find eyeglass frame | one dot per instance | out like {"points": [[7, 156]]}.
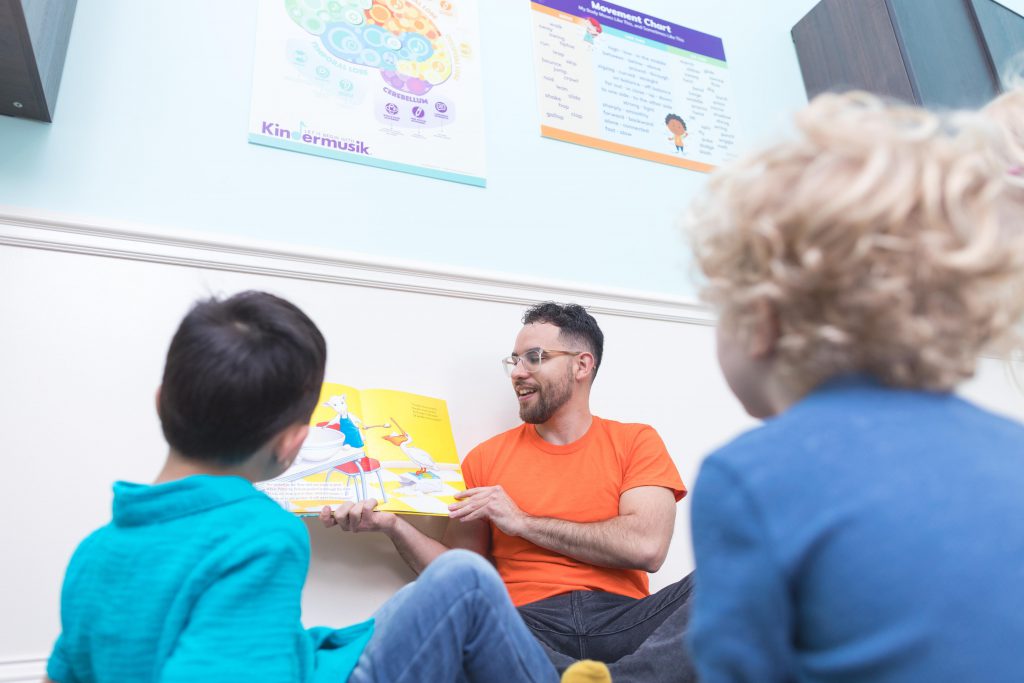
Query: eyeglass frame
{"points": [[510, 362]]}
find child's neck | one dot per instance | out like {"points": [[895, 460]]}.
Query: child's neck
{"points": [[178, 466]]}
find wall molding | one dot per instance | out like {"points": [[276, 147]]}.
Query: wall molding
{"points": [[31, 229], [22, 670]]}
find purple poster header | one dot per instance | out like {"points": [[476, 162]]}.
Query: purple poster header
{"points": [[640, 24]]}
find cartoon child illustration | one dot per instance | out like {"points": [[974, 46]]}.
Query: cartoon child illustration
{"points": [[677, 127], [593, 31]]}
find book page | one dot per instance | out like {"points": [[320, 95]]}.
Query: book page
{"points": [[392, 446], [415, 449], [335, 442]]}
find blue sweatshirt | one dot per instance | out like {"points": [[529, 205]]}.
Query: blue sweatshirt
{"points": [[866, 534]]}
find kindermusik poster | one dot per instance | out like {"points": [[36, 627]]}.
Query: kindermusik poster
{"points": [[394, 84]]}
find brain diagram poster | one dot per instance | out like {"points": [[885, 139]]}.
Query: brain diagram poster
{"points": [[394, 84]]}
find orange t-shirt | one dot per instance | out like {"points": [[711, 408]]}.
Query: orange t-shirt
{"points": [[578, 482]]}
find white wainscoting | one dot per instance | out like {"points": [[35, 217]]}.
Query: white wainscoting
{"points": [[87, 310]]}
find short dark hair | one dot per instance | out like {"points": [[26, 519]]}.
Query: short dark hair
{"points": [[238, 372], [675, 117], [574, 323]]}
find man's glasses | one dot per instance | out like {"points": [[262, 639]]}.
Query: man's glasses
{"points": [[532, 359]]}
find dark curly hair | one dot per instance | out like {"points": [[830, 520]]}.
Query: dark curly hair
{"points": [[575, 324]]}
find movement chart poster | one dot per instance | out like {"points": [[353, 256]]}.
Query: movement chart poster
{"points": [[389, 83], [623, 81]]}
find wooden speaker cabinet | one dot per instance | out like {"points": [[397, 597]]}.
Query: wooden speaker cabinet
{"points": [[33, 42], [936, 53]]}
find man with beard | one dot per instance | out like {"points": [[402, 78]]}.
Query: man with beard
{"points": [[572, 509]]}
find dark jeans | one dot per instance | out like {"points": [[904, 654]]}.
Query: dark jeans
{"points": [[640, 640]]}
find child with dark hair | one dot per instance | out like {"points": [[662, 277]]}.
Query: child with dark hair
{"points": [[677, 127], [199, 576]]}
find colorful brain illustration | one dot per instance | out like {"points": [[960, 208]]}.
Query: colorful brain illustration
{"points": [[394, 36]]}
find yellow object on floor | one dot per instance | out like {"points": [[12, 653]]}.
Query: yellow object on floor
{"points": [[587, 671]]}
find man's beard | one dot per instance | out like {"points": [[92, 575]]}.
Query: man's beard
{"points": [[548, 399]]}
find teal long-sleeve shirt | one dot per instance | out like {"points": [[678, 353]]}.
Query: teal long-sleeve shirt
{"points": [[195, 579]]}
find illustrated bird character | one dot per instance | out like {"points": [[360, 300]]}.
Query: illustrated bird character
{"points": [[419, 456]]}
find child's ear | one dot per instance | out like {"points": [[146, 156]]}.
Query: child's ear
{"points": [[289, 442], [764, 333], [158, 390]]}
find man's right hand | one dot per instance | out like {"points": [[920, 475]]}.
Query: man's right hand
{"points": [[357, 517]]}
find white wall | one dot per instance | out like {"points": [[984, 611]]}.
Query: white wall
{"points": [[82, 355], [87, 316]]}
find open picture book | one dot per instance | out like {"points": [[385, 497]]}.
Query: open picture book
{"points": [[376, 443]]}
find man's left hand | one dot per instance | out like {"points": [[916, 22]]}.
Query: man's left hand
{"points": [[490, 503]]}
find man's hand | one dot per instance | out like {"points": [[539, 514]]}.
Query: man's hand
{"points": [[490, 503], [357, 517]]}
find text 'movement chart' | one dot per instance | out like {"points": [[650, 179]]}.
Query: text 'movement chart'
{"points": [[622, 81]]}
